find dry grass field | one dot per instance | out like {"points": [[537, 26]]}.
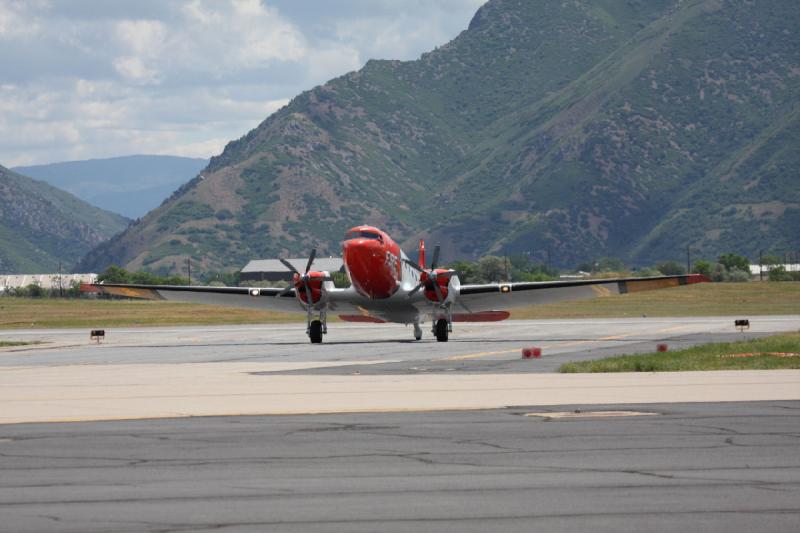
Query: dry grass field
{"points": [[704, 299], [708, 299]]}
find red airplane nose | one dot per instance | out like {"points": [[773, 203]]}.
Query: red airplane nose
{"points": [[371, 269]]}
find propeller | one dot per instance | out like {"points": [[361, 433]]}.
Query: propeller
{"points": [[429, 275], [303, 279]]}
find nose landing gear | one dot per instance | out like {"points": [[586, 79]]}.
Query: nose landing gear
{"points": [[442, 329]]}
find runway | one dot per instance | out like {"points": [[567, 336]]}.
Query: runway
{"points": [[165, 373], [721, 467], [420, 436]]}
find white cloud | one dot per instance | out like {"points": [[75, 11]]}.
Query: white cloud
{"points": [[98, 79], [18, 19], [134, 69], [143, 37]]}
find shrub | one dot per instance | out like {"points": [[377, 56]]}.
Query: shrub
{"points": [[734, 261], [702, 267], [739, 276], [671, 268], [779, 273]]}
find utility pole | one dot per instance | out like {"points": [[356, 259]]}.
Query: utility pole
{"points": [[761, 265], [60, 284], [189, 268], [688, 260]]}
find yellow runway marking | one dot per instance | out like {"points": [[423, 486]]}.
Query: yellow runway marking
{"points": [[479, 355]]}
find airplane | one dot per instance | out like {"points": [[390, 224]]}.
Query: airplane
{"points": [[387, 286]]}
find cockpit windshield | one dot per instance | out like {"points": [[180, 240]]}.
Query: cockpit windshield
{"points": [[358, 234]]}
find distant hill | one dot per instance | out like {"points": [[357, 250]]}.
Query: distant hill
{"points": [[129, 185], [41, 226], [586, 128]]}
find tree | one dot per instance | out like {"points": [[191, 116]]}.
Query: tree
{"points": [[771, 260], [670, 268], [467, 272], [734, 261], [702, 267], [610, 264], [115, 274], [493, 268]]}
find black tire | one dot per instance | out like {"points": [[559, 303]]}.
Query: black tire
{"points": [[441, 330], [315, 332]]}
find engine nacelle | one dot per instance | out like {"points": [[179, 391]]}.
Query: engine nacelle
{"points": [[442, 279], [314, 280]]}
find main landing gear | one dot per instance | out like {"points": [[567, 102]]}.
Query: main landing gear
{"points": [[441, 329], [316, 327], [417, 331]]}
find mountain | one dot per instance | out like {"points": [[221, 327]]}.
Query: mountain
{"points": [[130, 185], [585, 128], [41, 226]]}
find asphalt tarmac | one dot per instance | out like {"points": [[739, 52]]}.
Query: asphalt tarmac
{"points": [[721, 467], [473, 348]]}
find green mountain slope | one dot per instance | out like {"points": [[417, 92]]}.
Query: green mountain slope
{"points": [[603, 127], [41, 226]]}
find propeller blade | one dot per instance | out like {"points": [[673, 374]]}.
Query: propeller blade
{"points": [[309, 301], [285, 291], [288, 265], [413, 265], [438, 292], [415, 290], [435, 257], [311, 259]]}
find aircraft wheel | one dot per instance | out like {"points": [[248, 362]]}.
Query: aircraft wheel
{"points": [[315, 332], [441, 330]]}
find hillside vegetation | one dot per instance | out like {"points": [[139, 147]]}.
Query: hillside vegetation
{"points": [[587, 128], [41, 226]]}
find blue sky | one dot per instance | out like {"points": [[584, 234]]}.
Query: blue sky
{"points": [[99, 78]]}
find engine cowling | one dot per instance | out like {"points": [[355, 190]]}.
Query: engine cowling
{"points": [[441, 278], [314, 281]]}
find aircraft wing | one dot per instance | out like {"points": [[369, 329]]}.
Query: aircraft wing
{"points": [[264, 299], [497, 296]]}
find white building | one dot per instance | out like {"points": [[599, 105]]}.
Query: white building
{"points": [[45, 281], [756, 270]]}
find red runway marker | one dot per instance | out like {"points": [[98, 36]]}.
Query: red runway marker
{"points": [[533, 352]]}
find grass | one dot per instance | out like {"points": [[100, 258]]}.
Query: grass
{"points": [[707, 299], [758, 354], [704, 299], [6, 344], [24, 313]]}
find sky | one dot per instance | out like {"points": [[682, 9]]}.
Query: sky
{"points": [[83, 79]]}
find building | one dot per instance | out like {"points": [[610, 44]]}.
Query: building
{"points": [[756, 270], [274, 270], [45, 281]]}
